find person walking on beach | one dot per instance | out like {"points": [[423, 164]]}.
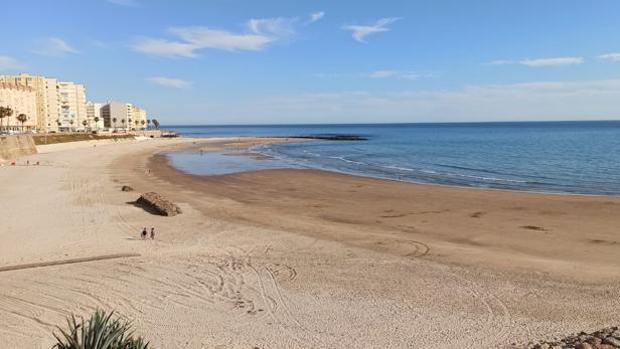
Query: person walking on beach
{"points": [[144, 233], [152, 233]]}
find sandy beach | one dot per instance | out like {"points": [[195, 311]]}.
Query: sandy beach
{"points": [[296, 258]]}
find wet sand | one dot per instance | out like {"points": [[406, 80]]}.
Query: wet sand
{"points": [[299, 258]]}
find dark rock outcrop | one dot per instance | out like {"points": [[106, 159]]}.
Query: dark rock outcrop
{"points": [[606, 338], [326, 137], [157, 204]]}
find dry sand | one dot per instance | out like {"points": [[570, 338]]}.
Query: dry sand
{"points": [[296, 259]]}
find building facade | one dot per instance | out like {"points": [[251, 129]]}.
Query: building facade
{"points": [[21, 100], [123, 116], [53, 105], [72, 101], [139, 118], [62, 106], [115, 115], [93, 114], [46, 94]]}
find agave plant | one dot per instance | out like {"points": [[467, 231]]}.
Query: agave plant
{"points": [[101, 331]]}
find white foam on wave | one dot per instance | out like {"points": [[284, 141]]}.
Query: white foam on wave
{"points": [[491, 179], [400, 168], [342, 158]]}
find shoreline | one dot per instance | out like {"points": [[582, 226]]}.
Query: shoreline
{"points": [[271, 140], [163, 169], [296, 258]]}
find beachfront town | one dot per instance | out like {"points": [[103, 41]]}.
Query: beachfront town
{"points": [[40, 104]]}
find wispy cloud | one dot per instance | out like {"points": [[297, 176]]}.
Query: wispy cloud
{"points": [[614, 57], [552, 62], [360, 32], [169, 82], [527, 101], [542, 62], [258, 34], [55, 47], [316, 16], [128, 3], [377, 74], [99, 44], [9, 63], [502, 62], [395, 74], [165, 48], [276, 28]]}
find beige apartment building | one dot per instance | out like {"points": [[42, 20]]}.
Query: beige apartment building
{"points": [[59, 105], [139, 118], [46, 94], [22, 100], [72, 101]]}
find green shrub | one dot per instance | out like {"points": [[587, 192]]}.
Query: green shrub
{"points": [[101, 331]]}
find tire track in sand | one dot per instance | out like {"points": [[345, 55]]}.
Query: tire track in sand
{"points": [[67, 261]]}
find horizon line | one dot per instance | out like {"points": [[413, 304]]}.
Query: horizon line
{"points": [[398, 123]]}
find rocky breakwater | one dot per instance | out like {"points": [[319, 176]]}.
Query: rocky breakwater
{"points": [[607, 338], [157, 204], [325, 137]]}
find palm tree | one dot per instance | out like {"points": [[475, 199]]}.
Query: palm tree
{"points": [[96, 119], [143, 122], [84, 123], [156, 123], [22, 118], [9, 114], [71, 122], [148, 122], [5, 112]]}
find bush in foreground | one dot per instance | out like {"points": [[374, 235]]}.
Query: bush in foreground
{"points": [[101, 331]]}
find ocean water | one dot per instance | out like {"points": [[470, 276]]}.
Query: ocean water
{"points": [[562, 157]]}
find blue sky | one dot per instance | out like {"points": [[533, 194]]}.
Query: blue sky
{"points": [[247, 62]]}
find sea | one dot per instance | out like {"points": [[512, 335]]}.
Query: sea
{"points": [[558, 157]]}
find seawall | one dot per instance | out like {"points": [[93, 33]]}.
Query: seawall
{"points": [[13, 147]]}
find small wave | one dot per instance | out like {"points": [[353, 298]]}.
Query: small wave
{"points": [[342, 158], [407, 169], [491, 179], [400, 168], [312, 154]]}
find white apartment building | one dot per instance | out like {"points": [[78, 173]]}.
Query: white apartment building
{"points": [[21, 100], [72, 99], [115, 115], [93, 114]]}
